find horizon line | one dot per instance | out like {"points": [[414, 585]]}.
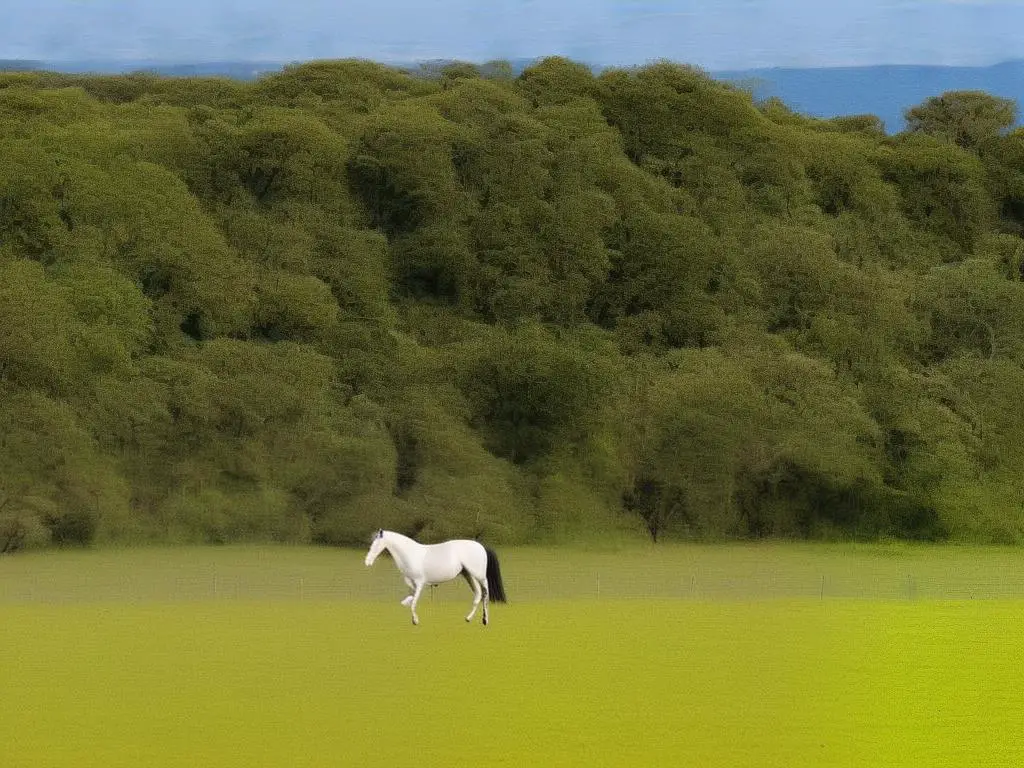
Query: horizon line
{"points": [[399, 62]]}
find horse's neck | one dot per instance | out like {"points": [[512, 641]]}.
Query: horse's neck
{"points": [[403, 549]]}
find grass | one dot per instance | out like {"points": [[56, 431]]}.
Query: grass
{"points": [[703, 656]]}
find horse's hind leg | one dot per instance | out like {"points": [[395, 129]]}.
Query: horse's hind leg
{"points": [[476, 594], [487, 600]]}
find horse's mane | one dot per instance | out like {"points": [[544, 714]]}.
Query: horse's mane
{"points": [[401, 537]]}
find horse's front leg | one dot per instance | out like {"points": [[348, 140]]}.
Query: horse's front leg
{"points": [[476, 597], [408, 598], [415, 599]]}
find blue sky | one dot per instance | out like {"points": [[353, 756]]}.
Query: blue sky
{"points": [[715, 34]]}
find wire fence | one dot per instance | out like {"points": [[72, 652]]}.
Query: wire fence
{"points": [[686, 573]]}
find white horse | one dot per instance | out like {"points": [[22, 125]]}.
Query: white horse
{"points": [[423, 564]]}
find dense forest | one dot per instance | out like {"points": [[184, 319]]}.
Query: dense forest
{"points": [[462, 302]]}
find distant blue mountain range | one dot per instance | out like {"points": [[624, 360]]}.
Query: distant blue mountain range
{"points": [[884, 90], [238, 70]]}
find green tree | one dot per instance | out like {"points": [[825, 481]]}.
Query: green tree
{"points": [[942, 188], [556, 80], [55, 485], [530, 395], [664, 272], [968, 119], [37, 347], [402, 169], [970, 307]]}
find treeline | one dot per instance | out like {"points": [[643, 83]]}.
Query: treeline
{"points": [[535, 307]]}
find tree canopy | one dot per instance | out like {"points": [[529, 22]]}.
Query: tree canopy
{"points": [[459, 302]]}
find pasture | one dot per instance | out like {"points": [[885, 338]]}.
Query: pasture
{"points": [[733, 655]]}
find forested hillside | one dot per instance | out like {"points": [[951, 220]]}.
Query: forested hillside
{"points": [[527, 308]]}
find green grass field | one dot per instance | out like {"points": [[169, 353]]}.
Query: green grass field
{"points": [[776, 655]]}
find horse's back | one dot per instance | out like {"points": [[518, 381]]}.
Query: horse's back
{"points": [[454, 555]]}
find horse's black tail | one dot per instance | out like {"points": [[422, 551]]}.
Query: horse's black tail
{"points": [[495, 589]]}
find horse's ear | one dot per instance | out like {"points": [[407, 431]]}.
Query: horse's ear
{"points": [[380, 533]]}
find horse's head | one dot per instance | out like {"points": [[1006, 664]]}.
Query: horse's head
{"points": [[376, 547]]}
